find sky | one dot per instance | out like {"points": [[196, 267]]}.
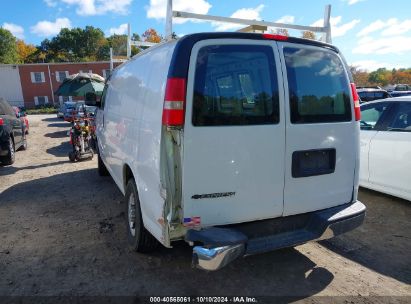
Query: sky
{"points": [[370, 33]]}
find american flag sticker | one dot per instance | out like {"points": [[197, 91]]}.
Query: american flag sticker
{"points": [[192, 221]]}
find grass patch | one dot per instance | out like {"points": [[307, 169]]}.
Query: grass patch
{"points": [[42, 110]]}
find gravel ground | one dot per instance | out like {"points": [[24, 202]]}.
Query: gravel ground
{"points": [[62, 234]]}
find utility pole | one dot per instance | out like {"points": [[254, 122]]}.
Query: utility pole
{"points": [[128, 41], [111, 60]]}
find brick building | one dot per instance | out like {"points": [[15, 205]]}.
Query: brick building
{"points": [[34, 84]]}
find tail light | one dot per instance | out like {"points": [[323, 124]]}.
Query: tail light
{"points": [[1, 121], [356, 98], [174, 102], [275, 37]]}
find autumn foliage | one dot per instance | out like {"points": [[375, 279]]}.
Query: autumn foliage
{"points": [[151, 35], [25, 51], [308, 35], [381, 77]]}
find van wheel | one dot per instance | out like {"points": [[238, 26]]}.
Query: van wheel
{"points": [[11, 154], [101, 167], [139, 239]]}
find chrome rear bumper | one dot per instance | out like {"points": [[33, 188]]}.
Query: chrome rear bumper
{"points": [[222, 245]]}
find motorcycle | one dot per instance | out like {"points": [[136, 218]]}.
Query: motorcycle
{"points": [[82, 139]]}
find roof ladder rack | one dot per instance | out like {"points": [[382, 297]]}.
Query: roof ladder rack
{"points": [[326, 29], [252, 24]]}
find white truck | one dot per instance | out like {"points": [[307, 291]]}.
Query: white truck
{"points": [[239, 143]]}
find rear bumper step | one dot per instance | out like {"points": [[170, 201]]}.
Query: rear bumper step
{"points": [[223, 245]]}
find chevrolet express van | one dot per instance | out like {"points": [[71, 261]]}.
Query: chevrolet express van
{"points": [[238, 143]]}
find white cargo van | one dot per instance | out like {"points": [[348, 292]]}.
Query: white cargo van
{"points": [[238, 143]]}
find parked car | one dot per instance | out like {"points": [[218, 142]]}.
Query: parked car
{"points": [[70, 109], [12, 133], [81, 109], [400, 90], [402, 87], [369, 94], [61, 111], [400, 93], [211, 148], [385, 143], [23, 117]]}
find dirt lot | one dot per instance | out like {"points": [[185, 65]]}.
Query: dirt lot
{"points": [[62, 233]]}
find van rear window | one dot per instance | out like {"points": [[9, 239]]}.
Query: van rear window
{"points": [[318, 86], [235, 85]]}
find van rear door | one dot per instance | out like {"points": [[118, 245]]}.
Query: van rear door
{"points": [[234, 132], [321, 132]]}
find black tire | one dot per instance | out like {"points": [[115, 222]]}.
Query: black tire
{"points": [[91, 154], [139, 239], [24, 146], [101, 167], [93, 145], [11, 154], [72, 156]]}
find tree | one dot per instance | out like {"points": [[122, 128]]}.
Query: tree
{"points": [[282, 31], [103, 53], [75, 44], [308, 35], [378, 77], [42, 53], [402, 76], [151, 35], [8, 47], [135, 37], [93, 39], [119, 44], [25, 51], [360, 77]]}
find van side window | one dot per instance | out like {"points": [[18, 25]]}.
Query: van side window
{"points": [[318, 86], [371, 115], [402, 118], [235, 85]]}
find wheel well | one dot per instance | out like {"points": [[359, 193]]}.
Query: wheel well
{"points": [[127, 174]]}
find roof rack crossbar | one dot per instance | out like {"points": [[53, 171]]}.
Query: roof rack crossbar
{"points": [[248, 22], [142, 43]]}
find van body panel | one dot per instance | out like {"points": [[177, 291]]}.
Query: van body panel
{"points": [[310, 193], [132, 119], [148, 169], [233, 173]]}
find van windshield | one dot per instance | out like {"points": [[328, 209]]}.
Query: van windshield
{"points": [[235, 85], [318, 86]]}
